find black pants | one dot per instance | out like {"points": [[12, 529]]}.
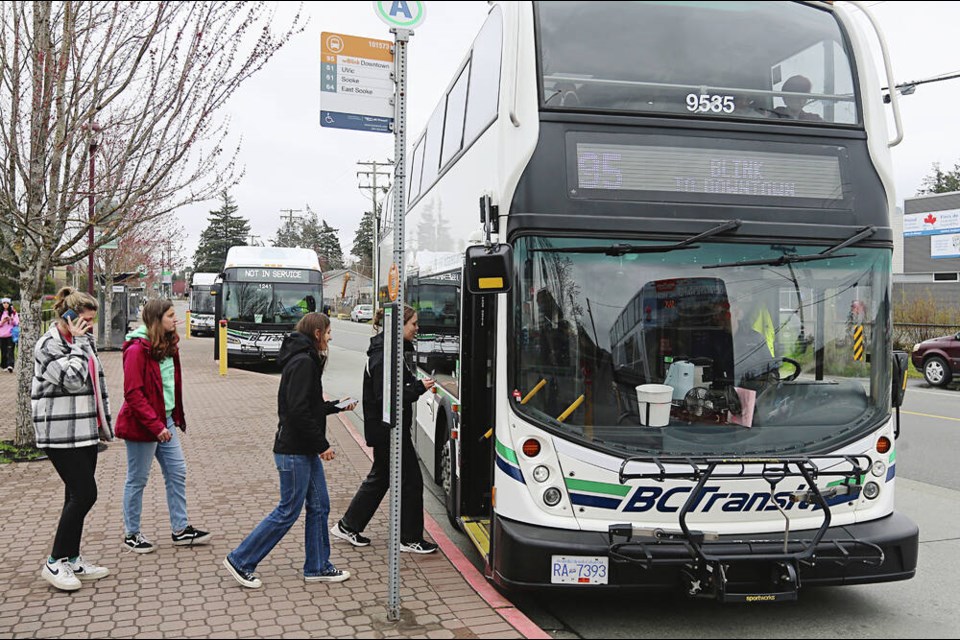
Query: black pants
{"points": [[76, 468], [376, 485], [6, 352]]}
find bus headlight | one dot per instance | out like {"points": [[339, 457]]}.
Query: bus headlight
{"points": [[541, 473], [878, 469], [551, 497], [870, 490]]}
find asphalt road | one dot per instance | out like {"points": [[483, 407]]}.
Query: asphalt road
{"points": [[928, 490]]}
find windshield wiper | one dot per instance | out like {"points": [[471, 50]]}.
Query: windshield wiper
{"points": [[620, 249], [829, 252]]}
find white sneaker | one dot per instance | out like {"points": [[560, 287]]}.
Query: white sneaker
{"points": [[60, 575], [85, 571]]}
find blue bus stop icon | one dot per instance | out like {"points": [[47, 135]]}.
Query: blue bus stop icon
{"points": [[401, 14]]}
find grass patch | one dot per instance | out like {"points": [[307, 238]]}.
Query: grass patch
{"points": [[9, 452], [913, 373]]}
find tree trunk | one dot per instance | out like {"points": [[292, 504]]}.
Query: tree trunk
{"points": [[31, 328]]}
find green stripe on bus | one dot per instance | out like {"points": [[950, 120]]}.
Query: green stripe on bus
{"points": [[597, 487], [507, 453], [893, 457]]}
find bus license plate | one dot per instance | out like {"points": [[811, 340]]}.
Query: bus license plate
{"points": [[579, 570]]}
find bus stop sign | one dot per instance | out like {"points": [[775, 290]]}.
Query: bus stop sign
{"points": [[402, 15]]}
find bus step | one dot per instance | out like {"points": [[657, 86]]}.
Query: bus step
{"points": [[478, 530]]}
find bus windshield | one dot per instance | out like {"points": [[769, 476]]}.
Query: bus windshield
{"points": [[788, 356], [777, 61], [269, 303], [200, 299]]}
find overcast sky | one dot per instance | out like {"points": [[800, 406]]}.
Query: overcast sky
{"points": [[291, 161]]}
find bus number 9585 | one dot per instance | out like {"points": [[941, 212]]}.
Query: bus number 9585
{"points": [[705, 103]]}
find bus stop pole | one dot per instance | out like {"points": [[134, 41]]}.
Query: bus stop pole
{"points": [[188, 324], [401, 38]]}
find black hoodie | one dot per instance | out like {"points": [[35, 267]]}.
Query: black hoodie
{"points": [[302, 429], [374, 429]]}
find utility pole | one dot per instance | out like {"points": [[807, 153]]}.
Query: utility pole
{"points": [[371, 174], [164, 267], [290, 217], [252, 240]]}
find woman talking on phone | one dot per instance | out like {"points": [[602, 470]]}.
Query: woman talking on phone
{"points": [[71, 415]]}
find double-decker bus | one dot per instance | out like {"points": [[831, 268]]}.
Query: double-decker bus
{"points": [[694, 196], [264, 293], [202, 307]]}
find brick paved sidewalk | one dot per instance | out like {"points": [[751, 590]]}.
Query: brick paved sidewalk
{"points": [[231, 485]]}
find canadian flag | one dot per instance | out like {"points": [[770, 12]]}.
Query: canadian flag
{"points": [[930, 219]]}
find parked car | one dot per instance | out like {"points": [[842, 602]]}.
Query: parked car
{"points": [[938, 359], [362, 313]]}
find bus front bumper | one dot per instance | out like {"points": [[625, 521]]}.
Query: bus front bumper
{"points": [[523, 555]]}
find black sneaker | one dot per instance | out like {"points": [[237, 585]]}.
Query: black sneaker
{"points": [[352, 537], [333, 575], [420, 546], [138, 544], [247, 580], [189, 537]]}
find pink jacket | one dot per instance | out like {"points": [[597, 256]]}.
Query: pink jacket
{"points": [[6, 328]]}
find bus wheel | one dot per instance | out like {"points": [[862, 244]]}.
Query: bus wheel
{"points": [[447, 478]]}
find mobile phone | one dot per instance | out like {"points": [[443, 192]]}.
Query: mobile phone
{"points": [[346, 402], [69, 315]]}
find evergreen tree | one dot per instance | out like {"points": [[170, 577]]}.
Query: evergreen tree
{"points": [[363, 243], [289, 234], [941, 181], [225, 230], [327, 246]]}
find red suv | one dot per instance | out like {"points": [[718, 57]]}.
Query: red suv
{"points": [[938, 358]]}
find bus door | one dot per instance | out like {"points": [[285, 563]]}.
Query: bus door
{"points": [[486, 274], [471, 490]]}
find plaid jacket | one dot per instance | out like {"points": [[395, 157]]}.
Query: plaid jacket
{"points": [[62, 397]]}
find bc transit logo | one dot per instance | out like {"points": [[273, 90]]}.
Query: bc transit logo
{"points": [[711, 498]]}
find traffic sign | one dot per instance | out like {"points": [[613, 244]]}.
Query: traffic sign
{"points": [[356, 83], [403, 15]]}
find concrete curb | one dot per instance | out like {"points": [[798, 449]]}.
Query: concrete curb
{"points": [[513, 616]]}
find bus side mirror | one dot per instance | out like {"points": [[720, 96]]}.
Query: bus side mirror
{"points": [[901, 361], [489, 270]]}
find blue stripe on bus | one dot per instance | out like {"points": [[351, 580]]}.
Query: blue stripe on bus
{"points": [[599, 502], [891, 472], [510, 470]]}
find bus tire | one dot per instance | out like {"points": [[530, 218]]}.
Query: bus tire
{"points": [[447, 478]]}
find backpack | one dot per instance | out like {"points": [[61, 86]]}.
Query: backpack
{"points": [[15, 334]]}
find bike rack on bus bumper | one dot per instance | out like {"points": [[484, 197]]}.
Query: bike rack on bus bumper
{"points": [[705, 559]]}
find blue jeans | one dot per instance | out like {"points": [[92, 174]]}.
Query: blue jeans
{"points": [[140, 457], [301, 480]]}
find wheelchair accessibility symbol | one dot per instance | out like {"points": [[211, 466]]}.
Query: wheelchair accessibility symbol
{"points": [[329, 119]]}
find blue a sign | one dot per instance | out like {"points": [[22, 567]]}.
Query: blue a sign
{"points": [[403, 15]]}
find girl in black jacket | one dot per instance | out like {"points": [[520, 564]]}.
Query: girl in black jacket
{"points": [[367, 500], [299, 447]]}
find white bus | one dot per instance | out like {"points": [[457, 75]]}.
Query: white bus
{"points": [[712, 180], [202, 307], [264, 293]]}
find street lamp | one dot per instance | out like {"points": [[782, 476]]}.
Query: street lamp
{"points": [[94, 143]]}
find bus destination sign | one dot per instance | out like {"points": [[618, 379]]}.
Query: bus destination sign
{"points": [[274, 275], [723, 172]]}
